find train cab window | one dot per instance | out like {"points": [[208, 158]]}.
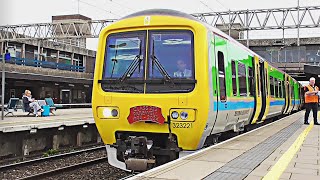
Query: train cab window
{"points": [[234, 81], [221, 70], [124, 59], [122, 50], [251, 81], [242, 79], [170, 54], [271, 86]]}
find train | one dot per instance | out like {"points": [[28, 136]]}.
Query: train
{"points": [[166, 83]]}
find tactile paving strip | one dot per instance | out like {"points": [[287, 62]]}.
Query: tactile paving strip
{"points": [[241, 167]]}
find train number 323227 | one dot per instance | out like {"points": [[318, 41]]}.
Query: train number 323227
{"points": [[182, 125]]}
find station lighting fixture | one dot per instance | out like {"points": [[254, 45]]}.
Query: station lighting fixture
{"points": [[85, 126], [61, 128]]}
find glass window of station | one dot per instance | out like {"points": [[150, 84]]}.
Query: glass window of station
{"points": [[309, 54]]}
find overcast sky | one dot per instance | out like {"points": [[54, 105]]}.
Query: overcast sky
{"points": [[37, 11]]}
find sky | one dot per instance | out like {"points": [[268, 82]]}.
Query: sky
{"points": [[40, 11]]}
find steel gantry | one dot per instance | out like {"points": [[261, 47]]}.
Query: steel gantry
{"points": [[240, 20], [63, 30], [264, 19]]}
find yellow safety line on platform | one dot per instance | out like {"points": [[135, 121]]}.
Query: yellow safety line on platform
{"points": [[282, 164]]}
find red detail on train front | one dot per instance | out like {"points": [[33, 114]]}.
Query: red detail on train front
{"points": [[145, 113]]}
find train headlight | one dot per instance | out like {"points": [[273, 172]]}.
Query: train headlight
{"points": [[174, 115], [114, 113], [108, 112], [184, 115]]}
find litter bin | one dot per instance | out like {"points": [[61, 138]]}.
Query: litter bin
{"points": [[46, 110]]}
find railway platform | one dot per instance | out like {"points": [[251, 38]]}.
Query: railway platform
{"points": [[23, 135], [284, 149], [62, 117]]}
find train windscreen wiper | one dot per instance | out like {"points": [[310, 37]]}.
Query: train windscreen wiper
{"points": [[115, 56], [136, 62], [155, 61]]}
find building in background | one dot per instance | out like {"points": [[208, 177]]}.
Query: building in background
{"points": [[78, 21], [61, 69]]}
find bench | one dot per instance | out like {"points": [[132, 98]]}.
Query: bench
{"points": [[12, 106]]}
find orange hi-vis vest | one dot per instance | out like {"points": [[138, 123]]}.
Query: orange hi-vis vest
{"points": [[311, 98]]}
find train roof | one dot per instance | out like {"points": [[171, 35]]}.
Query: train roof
{"points": [[170, 12], [163, 12]]}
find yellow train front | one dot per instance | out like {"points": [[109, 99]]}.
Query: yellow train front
{"points": [[146, 110]]}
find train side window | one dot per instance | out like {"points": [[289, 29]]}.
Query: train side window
{"points": [[250, 78], [221, 70], [280, 89], [276, 88], [271, 86], [234, 80], [283, 89], [242, 79]]}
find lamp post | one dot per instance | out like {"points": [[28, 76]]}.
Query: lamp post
{"points": [[2, 82], [298, 23]]}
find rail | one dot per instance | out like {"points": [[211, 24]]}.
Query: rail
{"points": [[35, 161], [66, 169]]}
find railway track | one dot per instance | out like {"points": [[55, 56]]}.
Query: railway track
{"points": [[58, 156], [49, 166], [65, 169]]}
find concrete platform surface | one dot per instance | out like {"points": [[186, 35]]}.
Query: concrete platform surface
{"points": [[250, 156], [62, 117]]}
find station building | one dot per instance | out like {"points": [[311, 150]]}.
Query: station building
{"points": [[61, 69]]}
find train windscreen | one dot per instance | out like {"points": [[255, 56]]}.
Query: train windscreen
{"points": [[168, 68]]}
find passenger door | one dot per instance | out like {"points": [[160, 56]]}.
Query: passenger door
{"points": [[257, 96], [287, 94], [221, 91], [264, 92]]}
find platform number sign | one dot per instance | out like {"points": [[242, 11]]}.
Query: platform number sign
{"points": [[147, 20]]}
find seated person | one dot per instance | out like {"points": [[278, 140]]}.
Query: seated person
{"points": [[182, 72], [28, 101]]}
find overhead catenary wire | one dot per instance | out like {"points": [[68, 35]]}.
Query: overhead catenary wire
{"points": [[206, 6], [107, 11], [119, 4]]}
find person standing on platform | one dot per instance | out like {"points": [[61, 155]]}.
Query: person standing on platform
{"points": [[311, 101], [7, 56]]}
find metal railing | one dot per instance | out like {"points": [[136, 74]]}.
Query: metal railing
{"points": [[45, 64]]}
